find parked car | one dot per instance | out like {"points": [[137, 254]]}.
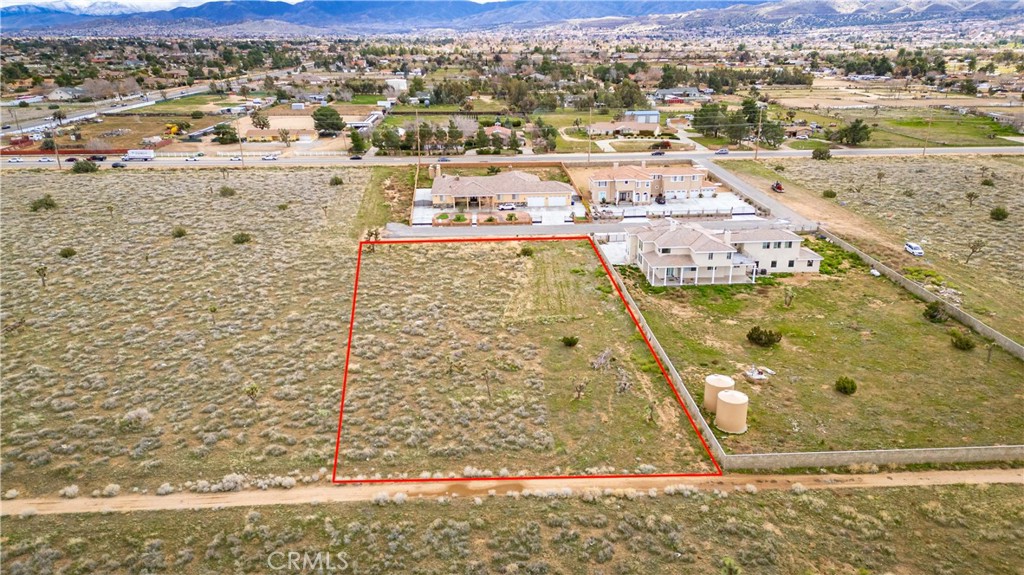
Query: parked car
{"points": [[192, 159], [506, 206], [443, 159], [722, 151], [5, 127], [660, 199], [119, 165], [356, 158], [71, 160], [97, 158], [913, 249], [269, 157], [45, 159], [802, 137], [236, 158], [658, 153], [15, 161]]}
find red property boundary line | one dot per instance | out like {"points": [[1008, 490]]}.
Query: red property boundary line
{"points": [[632, 315]]}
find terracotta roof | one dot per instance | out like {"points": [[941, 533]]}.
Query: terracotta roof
{"points": [[696, 238], [644, 174], [514, 182], [769, 235]]}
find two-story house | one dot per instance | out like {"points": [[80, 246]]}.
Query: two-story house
{"points": [[639, 185], [670, 253], [487, 192]]}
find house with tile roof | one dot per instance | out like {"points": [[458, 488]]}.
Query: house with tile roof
{"points": [[670, 253], [641, 185], [486, 192]]}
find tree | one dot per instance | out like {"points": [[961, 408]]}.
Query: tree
{"points": [[971, 196], [968, 87], [481, 140], [60, 116], [751, 110], [736, 127], [84, 167], [327, 119], [773, 134], [879, 175], [286, 137], [252, 391], [225, 134], [631, 95], [41, 272], [853, 134], [260, 121], [709, 119], [975, 246], [821, 154], [358, 143]]}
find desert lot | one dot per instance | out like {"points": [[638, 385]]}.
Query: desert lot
{"points": [[150, 359]]}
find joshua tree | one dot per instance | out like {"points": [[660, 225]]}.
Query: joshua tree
{"points": [[252, 390], [213, 314], [110, 210], [974, 246], [650, 413], [971, 196], [880, 175], [579, 389], [41, 272], [788, 296], [285, 136]]}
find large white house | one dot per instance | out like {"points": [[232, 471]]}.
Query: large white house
{"points": [[670, 253]]}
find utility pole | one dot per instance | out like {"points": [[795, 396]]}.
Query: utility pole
{"points": [[417, 128], [238, 134], [757, 136], [56, 152], [590, 138]]}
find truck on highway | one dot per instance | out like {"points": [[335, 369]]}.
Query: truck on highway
{"points": [[144, 155]]}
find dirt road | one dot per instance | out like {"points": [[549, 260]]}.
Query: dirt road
{"points": [[362, 493]]}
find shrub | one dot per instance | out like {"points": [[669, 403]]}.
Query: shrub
{"points": [[961, 340], [442, 216], [821, 154], [846, 386], [526, 252], [570, 340], [763, 337], [178, 232], [84, 167], [282, 207], [935, 312], [829, 194], [988, 182], [337, 181], [241, 238], [779, 168], [44, 203], [69, 492], [999, 213], [67, 252], [491, 219], [111, 490], [226, 191], [511, 217], [197, 114], [459, 218]]}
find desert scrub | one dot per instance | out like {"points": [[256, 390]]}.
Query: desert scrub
{"points": [[935, 312], [241, 238], [763, 337], [199, 362], [961, 339], [999, 213], [67, 253], [179, 232], [44, 203], [227, 192], [337, 181], [570, 340], [830, 193], [84, 167], [846, 385]]}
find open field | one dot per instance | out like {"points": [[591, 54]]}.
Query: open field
{"points": [[921, 200], [202, 102], [646, 145], [457, 367], [128, 131], [913, 388], [149, 359], [910, 531], [388, 198]]}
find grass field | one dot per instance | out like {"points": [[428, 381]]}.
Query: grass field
{"points": [[457, 367], [149, 359], [134, 129], [367, 99], [849, 324], [203, 102], [388, 198], [910, 531], [921, 200], [807, 144]]}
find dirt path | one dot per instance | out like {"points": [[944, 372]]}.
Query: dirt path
{"points": [[363, 493]]}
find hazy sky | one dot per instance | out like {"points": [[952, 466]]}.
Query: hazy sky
{"points": [[147, 4]]}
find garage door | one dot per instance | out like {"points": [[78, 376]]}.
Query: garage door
{"points": [[532, 202], [559, 201]]}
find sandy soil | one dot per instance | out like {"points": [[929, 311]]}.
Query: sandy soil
{"points": [[346, 493]]}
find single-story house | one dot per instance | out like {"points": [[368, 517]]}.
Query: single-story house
{"points": [[486, 192], [640, 185], [670, 253], [797, 131], [64, 94], [642, 116], [623, 129], [679, 94], [504, 133]]}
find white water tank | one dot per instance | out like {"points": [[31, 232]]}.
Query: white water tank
{"points": [[713, 385], [732, 411]]}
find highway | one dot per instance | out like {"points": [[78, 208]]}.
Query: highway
{"points": [[578, 158]]}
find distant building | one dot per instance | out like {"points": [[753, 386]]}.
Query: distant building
{"points": [[486, 192], [64, 94], [623, 129], [640, 185], [642, 116], [397, 84]]}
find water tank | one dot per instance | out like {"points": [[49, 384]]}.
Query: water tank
{"points": [[713, 385], [732, 411]]}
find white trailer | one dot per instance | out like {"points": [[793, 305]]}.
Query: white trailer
{"points": [[144, 155]]}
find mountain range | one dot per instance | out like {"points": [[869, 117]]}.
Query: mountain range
{"points": [[381, 16]]}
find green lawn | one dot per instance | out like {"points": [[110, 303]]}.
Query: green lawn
{"points": [[807, 144], [188, 103], [914, 388], [366, 99]]}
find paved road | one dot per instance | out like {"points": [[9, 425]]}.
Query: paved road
{"points": [[366, 492], [254, 161]]}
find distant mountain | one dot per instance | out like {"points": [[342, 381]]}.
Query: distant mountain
{"points": [[381, 16]]}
